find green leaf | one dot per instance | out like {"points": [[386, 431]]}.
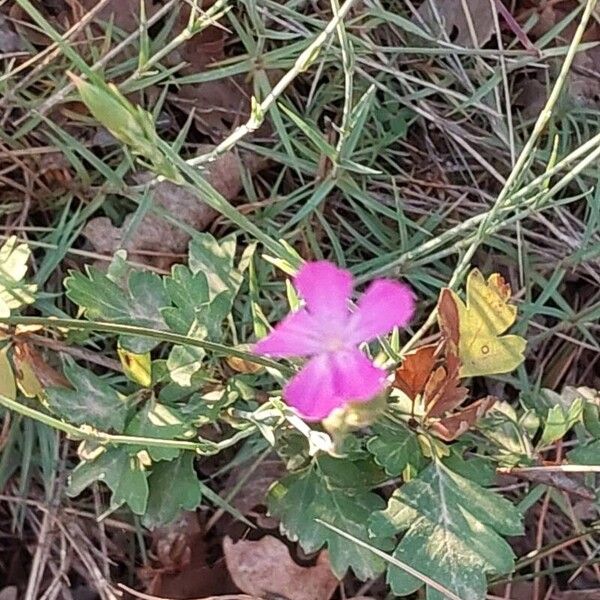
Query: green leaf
{"points": [[452, 533], [122, 473], [91, 402], [202, 298], [215, 259], [13, 266], [158, 421], [139, 304], [559, 421], [189, 293], [174, 486], [587, 454], [329, 490], [183, 363], [394, 448]]}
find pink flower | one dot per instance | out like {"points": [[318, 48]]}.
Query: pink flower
{"points": [[326, 331]]}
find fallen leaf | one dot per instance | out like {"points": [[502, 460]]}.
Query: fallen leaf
{"points": [[253, 491], [583, 83], [218, 105], [443, 391], [487, 314], [180, 567], [266, 569], [155, 240], [32, 372], [10, 40], [453, 426], [241, 365], [9, 593], [472, 28], [432, 380], [122, 14]]}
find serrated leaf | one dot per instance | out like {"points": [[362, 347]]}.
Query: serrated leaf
{"points": [[122, 473], [8, 387], [174, 487], [189, 293], [13, 267], [140, 304], [394, 448], [198, 312], [137, 367], [91, 402], [215, 259], [160, 422], [329, 490], [452, 533]]}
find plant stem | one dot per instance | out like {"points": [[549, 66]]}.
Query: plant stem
{"points": [[164, 336], [204, 447]]}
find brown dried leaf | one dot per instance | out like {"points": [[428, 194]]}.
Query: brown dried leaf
{"points": [[180, 566], [443, 392], [122, 14], [253, 491], [33, 372], [266, 569], [452, 426], [156, 235], [448, 317], [471, 29], [416, 369]]}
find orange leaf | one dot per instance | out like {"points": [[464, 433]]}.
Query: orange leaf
{"points": [[412, 376], [443, 392]]}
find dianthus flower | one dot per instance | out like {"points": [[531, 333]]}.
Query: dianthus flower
{"points": [[326, 330]]}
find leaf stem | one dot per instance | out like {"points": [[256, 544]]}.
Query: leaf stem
{"points": [[165, 336], [204, 447]]}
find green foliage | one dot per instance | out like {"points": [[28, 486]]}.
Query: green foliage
{"points": [[174, 486], [160, 422], [452, 532], [122, 473], [139, 303], [92, 401], [394, 448], [560, 420], [335, 491]]}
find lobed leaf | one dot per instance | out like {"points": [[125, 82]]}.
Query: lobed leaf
{"points": [[452, 533]]}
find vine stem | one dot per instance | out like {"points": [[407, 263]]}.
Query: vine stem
{"points": [[164, 336]]}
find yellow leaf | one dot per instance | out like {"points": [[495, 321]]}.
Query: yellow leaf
{"points": [[487, 314], [137, 367], [8, 387], [27, 380]]}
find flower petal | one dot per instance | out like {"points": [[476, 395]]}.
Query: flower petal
{"points": [[385, 305], [329, 381], [325, 288], [297, 335]]}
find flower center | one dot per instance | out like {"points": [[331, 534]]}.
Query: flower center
{"points": [[334, 344]]}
